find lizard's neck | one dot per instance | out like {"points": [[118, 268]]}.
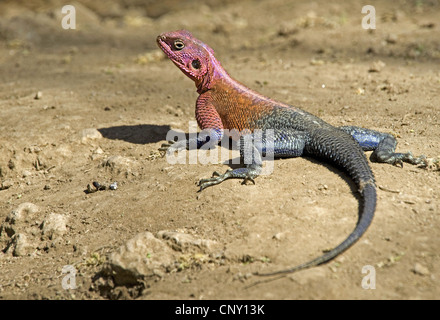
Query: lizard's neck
{"points": [[217, 77], [214, 75]]}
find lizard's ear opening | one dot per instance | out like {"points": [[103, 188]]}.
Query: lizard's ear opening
{"points": [[196, 64]]}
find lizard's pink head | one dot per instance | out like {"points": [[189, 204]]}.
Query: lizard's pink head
{"points": [[192, 56]]}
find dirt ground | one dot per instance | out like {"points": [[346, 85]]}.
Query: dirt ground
{"points": [[96, 102]]}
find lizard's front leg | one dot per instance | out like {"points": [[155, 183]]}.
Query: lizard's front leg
{"points": [[383, 146], [208, 120], [207, 138]]}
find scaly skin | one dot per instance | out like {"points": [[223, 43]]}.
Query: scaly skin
{"points": [[224, 103]]}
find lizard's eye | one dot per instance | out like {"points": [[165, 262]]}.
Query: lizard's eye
{"points": [[179, 45], [195, 64]]}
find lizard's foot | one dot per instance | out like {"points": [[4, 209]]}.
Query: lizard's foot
{"points": [[215, 179], [399, 158], [247, 174], [173, 146]]}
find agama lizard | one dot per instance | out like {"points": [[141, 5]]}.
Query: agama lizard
{"points": [[225, 103]]}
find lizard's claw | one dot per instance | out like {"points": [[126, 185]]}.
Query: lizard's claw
{"points": [[248, 178], [216, 178], [398, 162], [408, 157], [400, 158], [172, 146], [165, 147]]}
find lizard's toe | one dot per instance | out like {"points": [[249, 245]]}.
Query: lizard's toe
{"points": [[166, 146], [245, 180], [215, 179], [398, 162]]}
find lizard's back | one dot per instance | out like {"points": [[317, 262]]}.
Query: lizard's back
{"points": [[242, 108]]}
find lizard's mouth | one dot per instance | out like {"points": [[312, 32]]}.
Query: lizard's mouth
{"points": [[165, 47]]}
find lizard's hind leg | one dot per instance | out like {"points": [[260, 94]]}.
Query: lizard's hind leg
{"points": [[383, 146], [270, 143]]}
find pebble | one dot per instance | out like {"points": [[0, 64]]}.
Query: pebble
{"points": [[420, 269], [38, 95], [116, 162], [278, 236], [97, 153], [119, 164], [21, 246], [54, 225], [98, 186], [26, 173], [140, 257], [90, 134], [377, 66], [16, 227], [6, 184], [183, 240], [391, 39], [23, 212], [25, 233]]}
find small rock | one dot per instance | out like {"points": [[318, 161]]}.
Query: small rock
{"points": [[54, 225], [278, 236], [99, 186], [420, 269], [20, 245], [317, 62], [97, 153], [286, 29], [90, 134], [140, 257], [11, 164], [19, 230], [377, 66], [38, 95], [118, 164], [360, 91], [116, 161], [181, 241], [391, 39], [26, 173], [64, 151], [6, 184], [22, 213]]}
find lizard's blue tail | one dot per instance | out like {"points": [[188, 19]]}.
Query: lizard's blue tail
{"points": [[342, 150]]}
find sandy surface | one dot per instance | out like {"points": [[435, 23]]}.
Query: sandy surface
{"points": [[107, 100]]}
